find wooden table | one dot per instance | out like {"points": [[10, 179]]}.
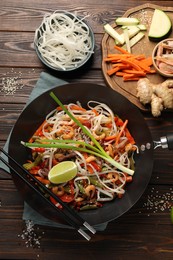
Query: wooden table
{"points": [[145, 232]]}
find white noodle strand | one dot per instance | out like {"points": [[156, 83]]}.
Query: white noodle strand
{"points": [[63, 40]]}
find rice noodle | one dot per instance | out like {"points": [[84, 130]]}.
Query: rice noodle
{"points": [[63, 40], [97, 116]]}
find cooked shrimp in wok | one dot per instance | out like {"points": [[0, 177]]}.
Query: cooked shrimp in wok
{"points": [[101, 176]]}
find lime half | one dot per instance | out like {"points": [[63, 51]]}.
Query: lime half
{"points": [[62, 172]]}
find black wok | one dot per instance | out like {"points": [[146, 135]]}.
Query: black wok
{"points": [[34, 114]]}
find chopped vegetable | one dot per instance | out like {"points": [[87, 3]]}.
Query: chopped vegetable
{"points": [[30, 165], [121, 132], [160, 26], [126, 21], [127, 65], [68, 144], [142, 27], [76, 169], [109, 30], [131, 27], [132, 31], [127, 40], [135, 39]]}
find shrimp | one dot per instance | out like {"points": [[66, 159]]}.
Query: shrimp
{"points": [[66, 131], [113, 176], [91, 158], [58, 190], [90, 191], [99, 137]]}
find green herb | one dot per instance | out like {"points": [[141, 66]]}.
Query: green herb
{"points": [[30, 165]]}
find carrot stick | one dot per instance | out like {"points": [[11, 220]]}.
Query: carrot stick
{"points": [[131, 63], [119, 73], [121, 131], [139, 57], [143, 66], [118, 48], [136, 72], [42, 180], [107, 138], [112, 71], [76, 107], [119, 55], [131, 79], [129, 66], [121, 66], [129, 136], [37, 131], [148, 61]]}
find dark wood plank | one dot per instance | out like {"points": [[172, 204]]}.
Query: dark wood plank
{"points": [[15, 15], [17, 50], [27, 78], [121, 233]]}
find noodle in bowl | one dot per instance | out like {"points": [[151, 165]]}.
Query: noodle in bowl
{"points": [[64, 41]]}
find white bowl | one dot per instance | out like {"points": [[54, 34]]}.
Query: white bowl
{"points": [[155, 64]]}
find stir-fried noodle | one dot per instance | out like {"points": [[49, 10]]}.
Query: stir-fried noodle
{"points": [[97, 180]]}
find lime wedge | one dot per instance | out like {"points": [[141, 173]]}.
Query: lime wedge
{"points": [[62, 172], [172, 215]]}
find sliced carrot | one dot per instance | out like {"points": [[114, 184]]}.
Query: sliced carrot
{"points": [[119, 74], [121, 66], [130, 66], [95, 111], [107, 138], [139, 57], [37, 132], [135, 72], [118, 121], [129, 178], [42, 180], [129, 136], [143, 65], [148, 61], [112, 71], [121, 131], [132, 63], [128, 75], [120, 49], [116, 56], [131, 79], [76, 107]]}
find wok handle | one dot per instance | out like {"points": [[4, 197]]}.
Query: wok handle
{"points": [[167, 141]]}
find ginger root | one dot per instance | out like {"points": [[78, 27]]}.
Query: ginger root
{"points": [[159, 96]]}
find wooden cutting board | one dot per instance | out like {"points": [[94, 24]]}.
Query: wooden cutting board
{"points": [[128, 89]]}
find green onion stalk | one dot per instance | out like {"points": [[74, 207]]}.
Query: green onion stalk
{"points": [[96, 150]]}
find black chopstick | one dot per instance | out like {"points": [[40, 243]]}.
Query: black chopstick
{"points": [[74, 220]]}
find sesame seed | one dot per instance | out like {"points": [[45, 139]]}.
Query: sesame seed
{"points": [[158, 202], [31, 235], [10, 84]]}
